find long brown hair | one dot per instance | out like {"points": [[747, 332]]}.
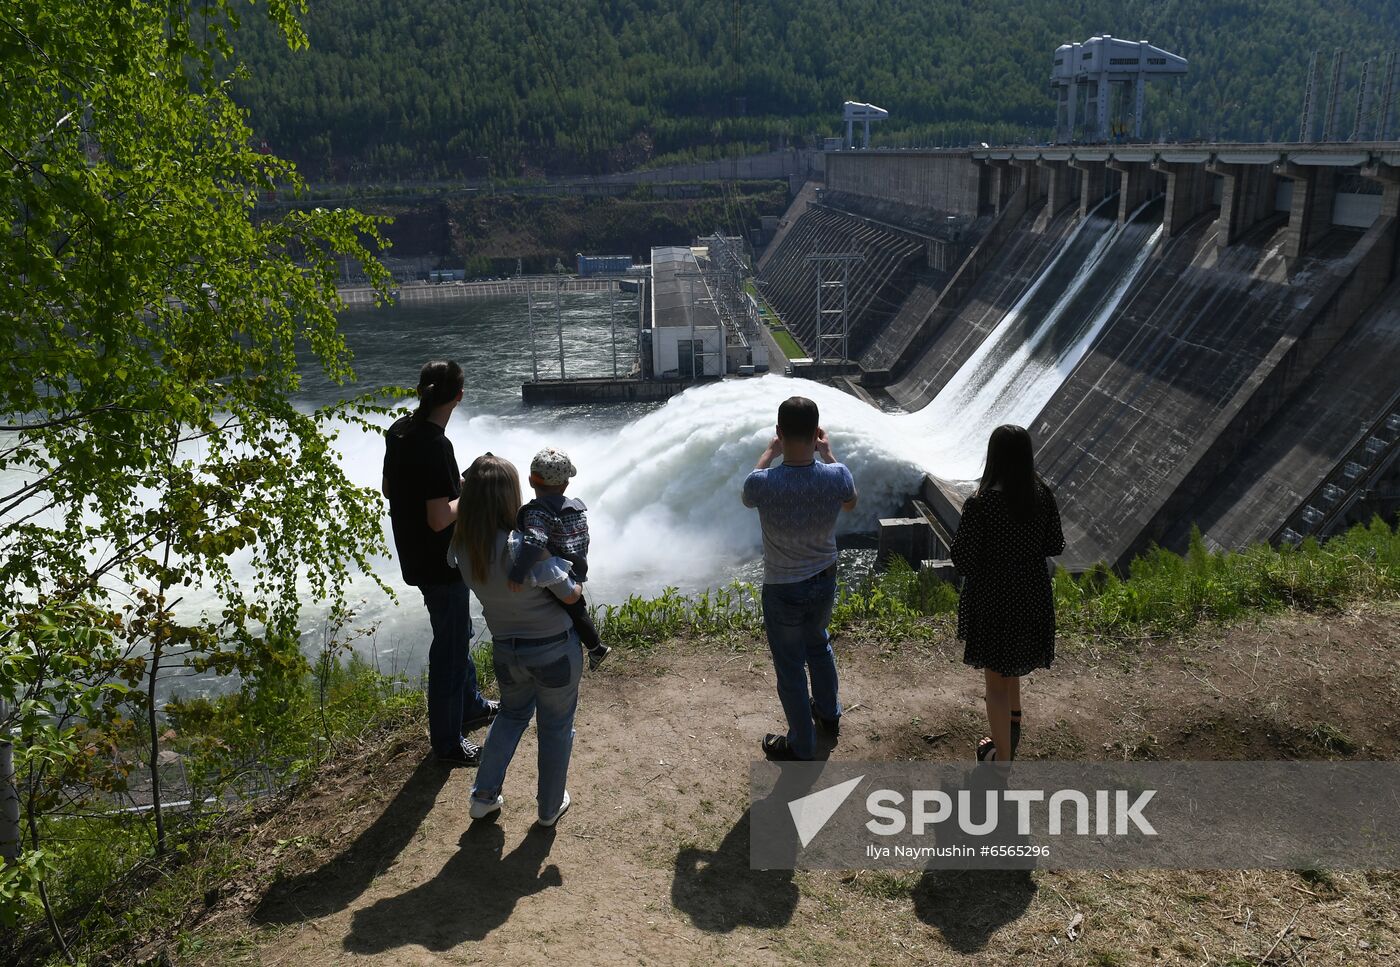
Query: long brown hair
{"points": [[489, 502]]}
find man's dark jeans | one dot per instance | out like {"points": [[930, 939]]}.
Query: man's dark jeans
{"points": [[795, 617], [452, 690]]}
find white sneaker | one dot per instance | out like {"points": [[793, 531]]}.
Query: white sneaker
{"points": [[481, 809], [555, 818]]}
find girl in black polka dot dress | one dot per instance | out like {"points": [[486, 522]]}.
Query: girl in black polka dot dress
{"points": [[1006, 612]]}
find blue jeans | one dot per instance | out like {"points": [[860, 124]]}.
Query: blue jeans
{"points": [[452, 691], [795, 617], [540, 680]]}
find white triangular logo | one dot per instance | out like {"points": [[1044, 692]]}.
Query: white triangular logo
{"points": [[811, 812]]}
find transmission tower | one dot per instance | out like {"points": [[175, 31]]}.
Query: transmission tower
{"points": [[1387, 92], [1306, 124], [1363, 103], [833, 325], [1333, 95], [541, 304]]}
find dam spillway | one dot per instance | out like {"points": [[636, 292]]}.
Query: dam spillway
{"points": [[1194, 335]]}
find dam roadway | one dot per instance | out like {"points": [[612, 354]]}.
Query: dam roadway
{"points": [[1174, 323]]}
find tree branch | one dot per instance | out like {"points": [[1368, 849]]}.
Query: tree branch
{"points": [[71, 418]]}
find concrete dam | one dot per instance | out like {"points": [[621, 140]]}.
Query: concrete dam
{"points": [[1195, 335]]}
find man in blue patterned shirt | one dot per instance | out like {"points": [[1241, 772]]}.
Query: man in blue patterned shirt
{"points": [[798, 503]]}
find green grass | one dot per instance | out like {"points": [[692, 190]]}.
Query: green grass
{"points": [[790, 347], [886, 884], [1166, 592], [719, 613], [1163, 593], [788, 344]]}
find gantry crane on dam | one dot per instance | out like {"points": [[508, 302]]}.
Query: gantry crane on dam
{"points": [[1095, 67]]}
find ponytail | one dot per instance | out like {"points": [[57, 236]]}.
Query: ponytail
{"points": [[439, 382]]}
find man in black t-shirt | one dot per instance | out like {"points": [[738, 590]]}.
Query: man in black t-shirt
{"points": [[422, 482]]}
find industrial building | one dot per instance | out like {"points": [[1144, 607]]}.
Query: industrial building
{"points": [[602, 264], [1096, 73], [687, 337], [701, 324]]}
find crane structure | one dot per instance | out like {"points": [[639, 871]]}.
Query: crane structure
{"points": [[1095, 67], [853, 111]]}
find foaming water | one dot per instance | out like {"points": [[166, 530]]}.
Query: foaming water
{"points": [[663, 490]]}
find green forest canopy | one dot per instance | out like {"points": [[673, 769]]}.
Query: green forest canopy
{"points": [[446, 88]]}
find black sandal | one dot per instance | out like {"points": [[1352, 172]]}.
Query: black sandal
{"points": [[986, 749]]}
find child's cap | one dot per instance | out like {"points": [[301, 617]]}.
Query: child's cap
{"points": [[553, 467]]}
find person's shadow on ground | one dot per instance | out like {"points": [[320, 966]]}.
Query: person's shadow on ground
{"points": [[720, 891], [474, 893], [969, 906], [335, 885]]}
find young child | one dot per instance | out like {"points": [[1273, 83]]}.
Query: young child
{"points": [[555, 525]]}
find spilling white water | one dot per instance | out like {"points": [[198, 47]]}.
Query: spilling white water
{"points": [[1015, 371], [663, 490], [663, 483]]}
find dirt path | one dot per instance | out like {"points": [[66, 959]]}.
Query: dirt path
{"points": [[381, 865]]}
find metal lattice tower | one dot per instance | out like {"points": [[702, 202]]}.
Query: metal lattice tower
{"points": [[1328, 125], [833, 325], [1387, 92], [1363, 103], [612, 325], [728, 268], [1308, 121], [541, 305]]}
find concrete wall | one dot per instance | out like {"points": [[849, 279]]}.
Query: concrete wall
{"points": [[1225, 325], [1355, 210], [563, 391], [1335, 307], [946, 181]]}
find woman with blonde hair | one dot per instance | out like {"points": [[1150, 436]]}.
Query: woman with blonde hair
{"points": [[534, 648]]}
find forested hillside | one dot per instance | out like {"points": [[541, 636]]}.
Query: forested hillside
{"points": [[432, 88]]}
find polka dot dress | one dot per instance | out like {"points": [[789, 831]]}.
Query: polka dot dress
{"points": [[1006, 612]]}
